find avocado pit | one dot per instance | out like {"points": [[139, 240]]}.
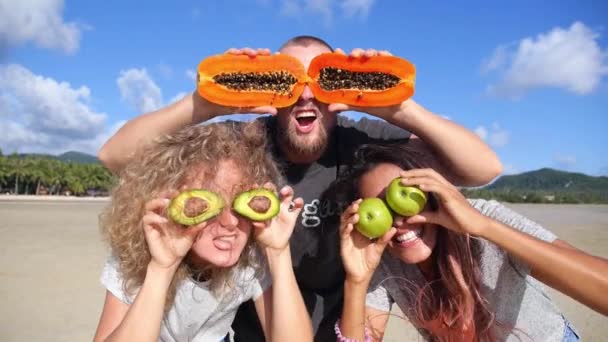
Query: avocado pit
{"points": [[195, 206], [260, 204]]}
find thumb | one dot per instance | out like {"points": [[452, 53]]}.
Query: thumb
{"points": [[424, 217], [384, 239], [264, 110], [338, 107]]}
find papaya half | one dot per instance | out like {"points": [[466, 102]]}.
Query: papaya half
{"points": [[243, 81], [361, 81], [279, 80]]}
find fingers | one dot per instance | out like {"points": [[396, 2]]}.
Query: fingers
{"points": [[427, 172], [192, 231], [288, 203], [338, 107], [272, 187], [351, 210], [346, 231], [423, 217], [349, 219], [386, 238], [256, 110], [157, 204], [357, 52], [248, 51]]}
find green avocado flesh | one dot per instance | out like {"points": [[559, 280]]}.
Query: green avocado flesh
{"points": [[257, 204], [195, 206]]}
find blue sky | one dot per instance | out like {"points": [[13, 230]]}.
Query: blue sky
{"points": [[530, 77]]}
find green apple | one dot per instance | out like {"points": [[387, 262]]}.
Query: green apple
{"points": [[405, 200], [375, 218]]}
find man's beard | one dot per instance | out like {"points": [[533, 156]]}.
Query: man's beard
{"points": [[304, 145]]}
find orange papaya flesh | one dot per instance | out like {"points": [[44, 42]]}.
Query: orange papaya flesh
{"points": [[361, 81], [244, 81]]}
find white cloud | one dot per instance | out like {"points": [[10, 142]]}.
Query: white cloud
{"points": [[571, 59], [139, 90], [37, 21], [496, 136], [290, 8], [327, 9], [565, 161], [191, 74], [40, 114], [356, 7], [165, 70]]}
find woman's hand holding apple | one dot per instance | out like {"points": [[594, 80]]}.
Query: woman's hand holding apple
{"points": [[454, 210], [360, 254]]}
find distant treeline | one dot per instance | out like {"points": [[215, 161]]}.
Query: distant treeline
{"points": [[545, 186], [46, 175], [80, 174]]}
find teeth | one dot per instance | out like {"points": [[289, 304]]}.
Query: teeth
{"points": [[409, 236], [227, 238], [306, 114]]}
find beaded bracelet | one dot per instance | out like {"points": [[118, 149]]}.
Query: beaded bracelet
{"points": [[341, 337]]}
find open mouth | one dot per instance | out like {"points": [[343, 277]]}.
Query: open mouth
{"points": [[305, 120], [408, 238]]}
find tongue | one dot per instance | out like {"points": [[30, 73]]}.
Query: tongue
{"points": [[305, 125], [304, 122], [222, 244]]}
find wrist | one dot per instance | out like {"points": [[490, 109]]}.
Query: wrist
{"points": [[159, 270], [277, 257], [409, 112], [356, 282], [272, 252], [203, 110]]}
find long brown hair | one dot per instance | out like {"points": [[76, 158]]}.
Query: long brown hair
{"points": [[167, 164], [453, 298]]}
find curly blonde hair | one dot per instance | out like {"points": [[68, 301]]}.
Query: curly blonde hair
{"points": [[167, 164]]}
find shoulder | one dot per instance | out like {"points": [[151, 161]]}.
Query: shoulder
{"points": [[112, 279]]}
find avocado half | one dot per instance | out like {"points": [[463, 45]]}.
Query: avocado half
{"points": [[192, 207], [257, 205]]}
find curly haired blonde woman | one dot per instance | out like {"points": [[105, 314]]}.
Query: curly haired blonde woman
{"points": [[166, 282]]}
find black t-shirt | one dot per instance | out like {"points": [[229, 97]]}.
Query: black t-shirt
{"points": [[315, 244]]}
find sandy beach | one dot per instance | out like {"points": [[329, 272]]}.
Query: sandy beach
{"points": [[51, 256]]}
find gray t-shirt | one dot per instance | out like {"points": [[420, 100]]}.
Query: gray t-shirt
{"points": [[196, 315], [518, 300]]}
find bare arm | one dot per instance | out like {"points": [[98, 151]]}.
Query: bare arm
{"points": [[281, 308], [360, 256], [464, 158], [577, 274], [190, 110], [569, 270], [168, 244], [121, 322]]}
